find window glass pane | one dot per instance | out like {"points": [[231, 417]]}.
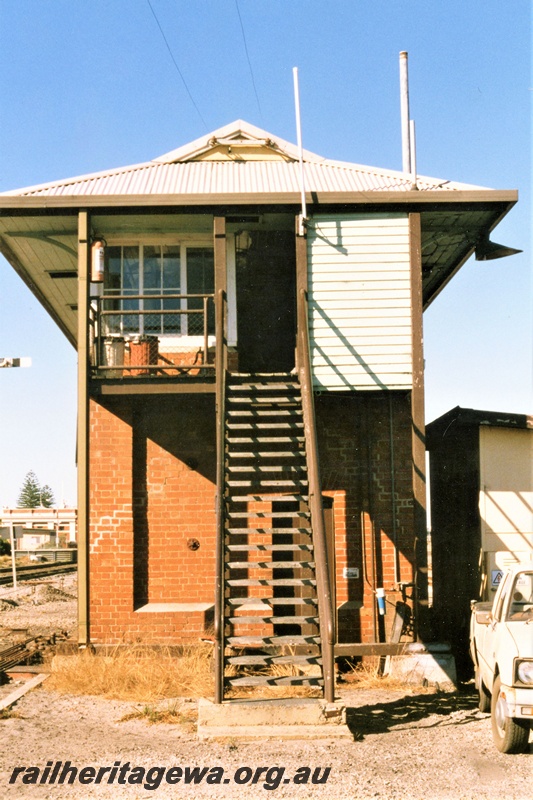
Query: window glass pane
{"points": [[171, 267], [152, 268], [112, 285], [113, 257], [200, 280], [131, 270]]}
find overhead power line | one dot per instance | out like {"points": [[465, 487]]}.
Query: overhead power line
{"points": [[248, 59], [178, 70]]}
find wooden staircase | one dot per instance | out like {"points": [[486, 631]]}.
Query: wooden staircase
{"points": [[271, 630]]}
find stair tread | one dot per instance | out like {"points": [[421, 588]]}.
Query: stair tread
{"points": [[259, 400], [263, 425], [248, 531], [271, 581], [264, 412], [263, 680], [264, 439], [270, 564], [264, 386], [266, 620], [266, 602], [297, 639], [269, 498], [266, 454], [268, 514], [269, 547], [265, 660], [266, 468], [258, 483]]}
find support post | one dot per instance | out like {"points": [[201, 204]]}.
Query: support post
{"points": [[13, 556], [83, 426], [221, 277], [418, 436], [220, 372]]}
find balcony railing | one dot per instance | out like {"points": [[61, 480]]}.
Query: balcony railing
{"points": [[134, 335]]}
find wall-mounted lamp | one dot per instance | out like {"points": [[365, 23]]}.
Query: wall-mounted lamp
{"points": [[487, 250], [243, 240], [97, 259]]}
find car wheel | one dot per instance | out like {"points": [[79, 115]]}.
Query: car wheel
{"points": [[484, 694], [509, 735]]}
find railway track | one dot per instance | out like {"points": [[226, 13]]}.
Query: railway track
{"points": [[34, 571]]}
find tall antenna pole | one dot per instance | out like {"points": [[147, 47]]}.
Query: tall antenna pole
{"points": [[303, 215], [404, 100]]}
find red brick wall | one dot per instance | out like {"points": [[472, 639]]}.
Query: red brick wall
{"points": [[152, 479], [355, 463], [151, 473]]}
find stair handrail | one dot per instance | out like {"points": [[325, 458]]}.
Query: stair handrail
{"points": [[221, 361], [325, 605]]}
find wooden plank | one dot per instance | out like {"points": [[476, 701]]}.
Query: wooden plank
{"points": [[22, 690], [151, 388], [370, 649]]}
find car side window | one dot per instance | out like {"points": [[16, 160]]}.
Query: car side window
{"points": [[501, 599]]}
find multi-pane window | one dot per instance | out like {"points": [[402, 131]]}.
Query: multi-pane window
{"points": [[156, 277]]}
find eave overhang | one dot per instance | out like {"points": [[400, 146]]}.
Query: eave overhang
{"points": [[452, 223]]}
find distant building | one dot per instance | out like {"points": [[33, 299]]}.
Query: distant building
{"points": [[35, 527], [481, 471]]}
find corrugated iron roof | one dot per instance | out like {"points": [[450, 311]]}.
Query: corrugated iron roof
{"points": [[179, 173]]}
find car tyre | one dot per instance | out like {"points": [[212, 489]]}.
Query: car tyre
{"points": [[484, 694], [509, 735]]}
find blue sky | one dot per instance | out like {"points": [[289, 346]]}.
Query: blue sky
{"points": [[88, 85]]}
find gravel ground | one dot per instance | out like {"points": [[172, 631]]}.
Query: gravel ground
{"points": [[407, 744]]}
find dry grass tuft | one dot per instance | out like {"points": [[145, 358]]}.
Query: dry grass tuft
{"points": [[169, 715], [369, 675], [135, 673]]}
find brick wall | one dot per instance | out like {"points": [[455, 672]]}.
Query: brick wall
{"points": [[360, 465], [152, 512], [152, 518]]}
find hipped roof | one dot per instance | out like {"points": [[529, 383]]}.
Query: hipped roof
{"points": [[238, 160], [236, 167]]}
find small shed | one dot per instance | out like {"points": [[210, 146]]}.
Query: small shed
{"points": [[481, 472]]}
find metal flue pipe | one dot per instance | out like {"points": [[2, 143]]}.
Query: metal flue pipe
{"points": [[404, 100], [303, 216]]}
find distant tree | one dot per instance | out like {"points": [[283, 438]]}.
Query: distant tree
{"points": [[30, 493], [47, 497]]}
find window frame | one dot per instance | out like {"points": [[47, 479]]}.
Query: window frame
{"points": [[184, 244]]}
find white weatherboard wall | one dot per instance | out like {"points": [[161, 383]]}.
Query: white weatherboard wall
{"points": [[360, 301], [506, 495]]}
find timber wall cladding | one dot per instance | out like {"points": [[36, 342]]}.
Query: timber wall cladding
{"points": [[152, 491], [360, 301]]}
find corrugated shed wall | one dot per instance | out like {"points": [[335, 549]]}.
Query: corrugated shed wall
{"points": [[360, 301]]}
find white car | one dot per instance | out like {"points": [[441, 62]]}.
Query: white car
{"points": [[501, 646]]}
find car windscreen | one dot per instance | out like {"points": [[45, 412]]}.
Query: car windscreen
{"points": [[521, 599]]}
